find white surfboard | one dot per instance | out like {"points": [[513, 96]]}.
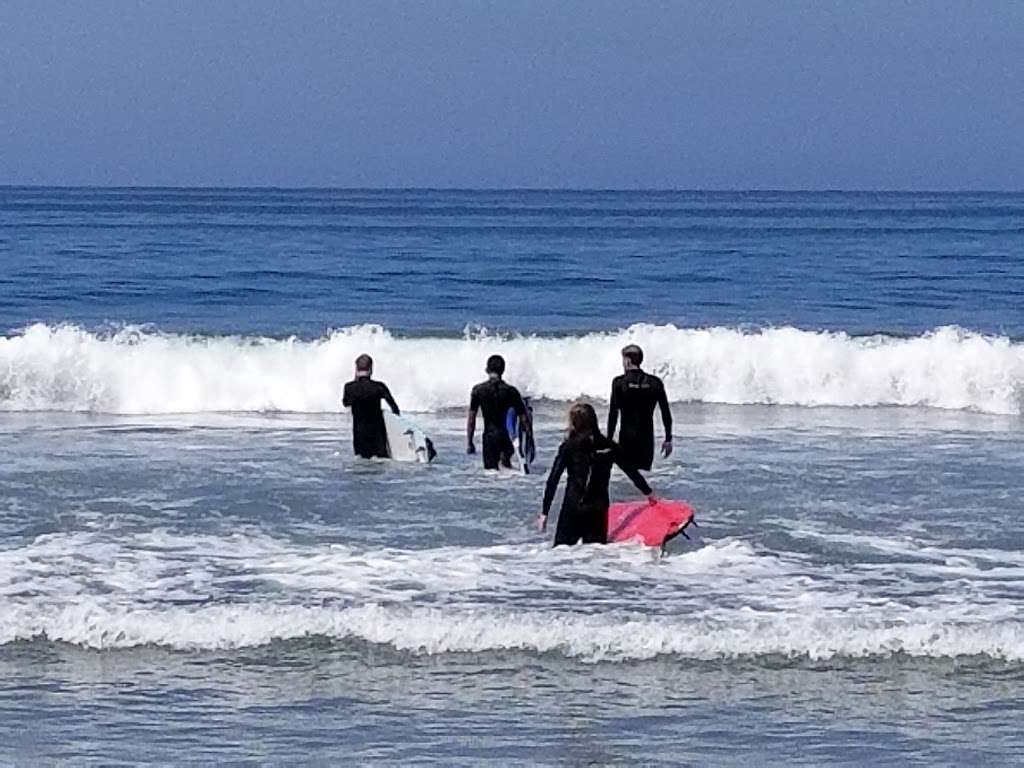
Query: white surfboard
{"points": [[406, 441]]}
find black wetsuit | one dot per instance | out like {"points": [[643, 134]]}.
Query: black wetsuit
{"points": [[495, 398], [584, 514], [363, 396], [635, 394]]}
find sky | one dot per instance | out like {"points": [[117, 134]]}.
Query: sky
{"points": [[560, 94]]}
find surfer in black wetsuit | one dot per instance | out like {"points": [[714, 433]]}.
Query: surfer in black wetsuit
{"points": [[587, 456], [495, 398], [363, 395], [634, 395]]}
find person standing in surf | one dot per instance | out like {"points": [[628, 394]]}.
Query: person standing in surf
{"points": [[364, 395], [587, 456], [495, 398], [634, 395]]}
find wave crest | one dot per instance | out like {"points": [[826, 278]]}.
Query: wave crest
{"points": [[66, 368], [432, 631]]}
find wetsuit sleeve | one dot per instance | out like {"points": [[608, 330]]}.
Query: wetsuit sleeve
{"points": [[666, 412], [557, 469], [631, 472], [474, 406], [517, 403], [386, 394], [613, 410], [346, 401]]}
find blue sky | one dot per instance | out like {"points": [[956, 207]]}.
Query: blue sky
{"points": [[876, 95]]}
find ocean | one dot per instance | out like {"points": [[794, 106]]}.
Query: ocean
{"points": [[195, 569]]}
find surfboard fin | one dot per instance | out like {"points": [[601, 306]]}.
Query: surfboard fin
{"points": [[681, 532]]}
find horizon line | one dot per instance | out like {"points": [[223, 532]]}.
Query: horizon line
{"points": [[675, 190]]}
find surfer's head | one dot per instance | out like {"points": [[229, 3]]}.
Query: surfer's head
{"points": [[364, 365], [583, 421], [495, 366], [632, 357]]}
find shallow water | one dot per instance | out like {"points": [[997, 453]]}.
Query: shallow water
{"points": [[853, 587]]}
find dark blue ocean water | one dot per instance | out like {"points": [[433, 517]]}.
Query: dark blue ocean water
{"points": [[303, 261], [194, 569]]}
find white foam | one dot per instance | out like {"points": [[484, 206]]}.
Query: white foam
{"points": [[65, 368], [586, 637], [724, 600]]}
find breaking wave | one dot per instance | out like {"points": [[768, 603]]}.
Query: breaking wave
{"points": [[135, 371]]}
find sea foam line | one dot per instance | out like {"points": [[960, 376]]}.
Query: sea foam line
{"points": [[430, 631], [66, 368]]}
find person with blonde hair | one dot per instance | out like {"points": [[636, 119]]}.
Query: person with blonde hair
{"points": [[586, 456]]}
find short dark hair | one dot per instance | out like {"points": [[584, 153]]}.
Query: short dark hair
{"points": [[364, 363], [496, 364], [633, 353]]}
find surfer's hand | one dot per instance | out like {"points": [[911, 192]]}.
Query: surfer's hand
{"points": [[666, 448], [542, 522], [470, 448], [652, 499]]}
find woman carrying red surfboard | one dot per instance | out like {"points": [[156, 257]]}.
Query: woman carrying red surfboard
{"points": [[587, 457]]}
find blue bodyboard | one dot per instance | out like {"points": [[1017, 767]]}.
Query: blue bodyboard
{"points": [[525, 448]]}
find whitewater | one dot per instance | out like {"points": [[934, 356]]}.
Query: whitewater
{"points": [[135, 370], [190, 593]]}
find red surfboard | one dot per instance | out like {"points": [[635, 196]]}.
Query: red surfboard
{"points": [[652, 524]]}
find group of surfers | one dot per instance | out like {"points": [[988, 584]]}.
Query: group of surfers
{"points": [[586, 455]]}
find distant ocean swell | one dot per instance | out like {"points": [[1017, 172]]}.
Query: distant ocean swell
{"points": [[135, 371]]}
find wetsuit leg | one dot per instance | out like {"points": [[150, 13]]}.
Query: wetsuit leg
{"points": [[595, 526], [490, 454], [638, 450], [370, 439], [372, 447], [570, 528], [497, 450]]}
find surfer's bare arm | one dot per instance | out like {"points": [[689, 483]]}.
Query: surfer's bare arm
{"points": [[390, 400], [666, 420], [632, 473]]}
